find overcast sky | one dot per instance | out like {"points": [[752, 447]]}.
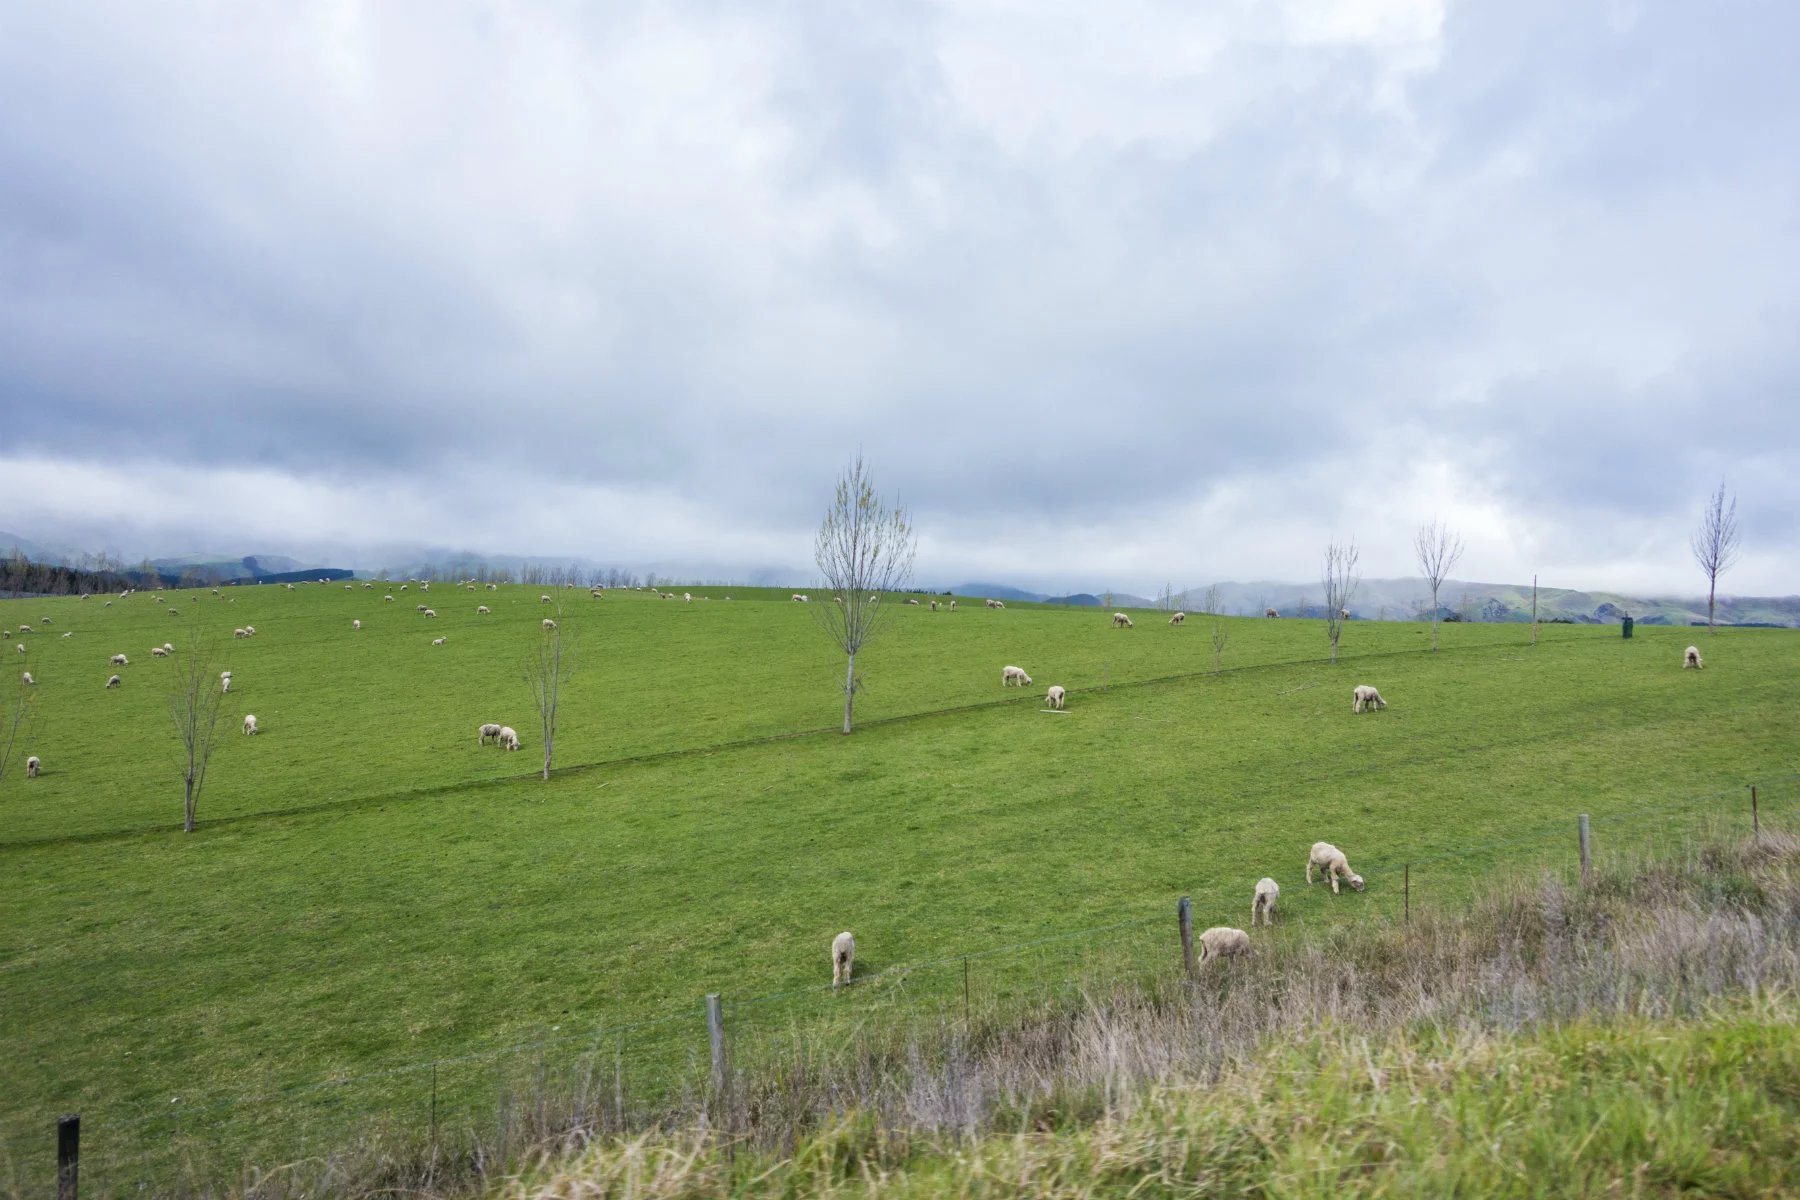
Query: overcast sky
{"points": [[1110, 295]]}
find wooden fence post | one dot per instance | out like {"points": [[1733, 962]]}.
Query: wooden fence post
{"points": [[715, 1029], [1587, 865], [1184, 912], [1755, 821], [965, 993], [1406, 896], [68, 1154]]}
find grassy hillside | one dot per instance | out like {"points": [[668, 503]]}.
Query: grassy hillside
{"points": [[370, 889]]}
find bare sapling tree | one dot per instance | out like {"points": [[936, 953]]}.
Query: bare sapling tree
{"points": [[197, 698], [545, 669], [864, 551], [13, 723], [1438, 547], [1340, 579], [1715, 545], [1210, 602], [1166, 600]]}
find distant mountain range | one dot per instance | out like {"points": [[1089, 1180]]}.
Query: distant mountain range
{"points": [[1374, 599]]}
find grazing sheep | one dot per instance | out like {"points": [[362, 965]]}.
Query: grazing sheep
{"points": [[1178, 618], [1269, 612], [1010, 675], [67, 634], [489, 730], [119, 660], [224, 682], [543, 599], [250, 629], [915, 602], [1336, 866], [509, 738], [249, 723], [431, 614], [439, 641], [29, 681], [158, 652], [290, 587], [494, 587], [169, 646], [6, 633], [403, 587], [240, 633], [549, 624], [843, 958], [1344, 614], [419, 608], [481, 610], [174, 612], [687, 597], [387, 599], [797, 598], [19, 646], [1055, 696], [953, 604], [32, 767], [934, 606], [1691, 658], [1121, 621], [114, 682], [1363, 696], [356, 624], [874, 599], [44, 621], [1222, 941], [1262, 909]]}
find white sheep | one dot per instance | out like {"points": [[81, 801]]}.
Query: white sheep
{"points": [[934, 606], [169, 646], [543, 599], [1010, 675], [32, 767], [953, 604], [1178, 618], [1691, 658], [549, 624], [912, 601], [387, 599], [114, 682], [843, 958], [225, 683], [687, 597], [1262, 908], [1055, 696], [250, 629], [509, 738], [431, 614], [489, 730], [419, 608], [19, 646], [119, 660], [797, 598], [356, 624], [29, 681], [249, 723], [481, 610], [1363, 696], [1328, 857], [44, 621], [1269, 612], [1222, 941], [174, 612], [403, 587], [158, 652], [240, 633], [439, 641], [1121, 621]]}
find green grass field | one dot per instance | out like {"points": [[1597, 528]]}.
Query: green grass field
{"points": [[369, 889]]}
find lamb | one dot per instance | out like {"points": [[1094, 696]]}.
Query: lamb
{"points": [[439, 641], [32, 767], [934, 606], [119, 660], [174, 612], [430, 614], [687, 597], [169, 646], [549, 624], [29, 681], [1055, 696], [239, 633], [508, 738], [419, 608], [489, 730], [1121, 621], [543, 599], [158, 652], [1010, 675], [1364, 696], [114, 682], [1692, 658], [797, 598], [249, 723], [1178, 618], [843, 957], [1269, 612], [953, 604], [1335, 865], [1262, 908], [250, 629], [44, 621], [481, 610], [387, 599], [224, 682], [356, 624], [1222, 941]]}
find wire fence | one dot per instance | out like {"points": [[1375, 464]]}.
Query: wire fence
{"points": [[615, 1077]]}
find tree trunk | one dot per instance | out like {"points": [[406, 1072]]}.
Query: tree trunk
{"points": [[187, 807], [1434, 616], [1712, 590], [849, 689]]}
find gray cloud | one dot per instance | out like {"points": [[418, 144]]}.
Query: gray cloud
{"points": [[1111, 295]]}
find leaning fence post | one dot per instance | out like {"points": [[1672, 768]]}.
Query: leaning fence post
{"points": [[1184, 912], [1755, 821], [68, 1154], [1587, 866], [715, 1029], [1406, 895]]}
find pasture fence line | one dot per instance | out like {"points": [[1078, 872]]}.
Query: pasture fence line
{"points": [[616, 1077]]}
